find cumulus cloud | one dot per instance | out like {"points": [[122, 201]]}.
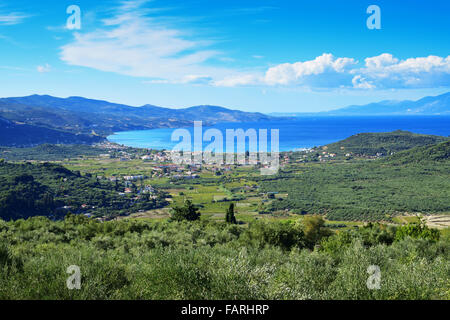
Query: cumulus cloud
{"points": [[133, 42], [383, 60], [386, 71], [322, 71], [326, 71], [362, 83]]}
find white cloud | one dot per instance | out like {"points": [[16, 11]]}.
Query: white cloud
{"points": [[12, 18], [322, 69], [360, 82], [383, 60], [43, 69], [385, 71], [238, 80], [378, 72], [133, 44]]}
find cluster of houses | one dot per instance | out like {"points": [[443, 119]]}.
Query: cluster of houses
{"points": [[161, 156], [325, 155], [134, 178], [148, 189], [322, 154], [109, 145]]}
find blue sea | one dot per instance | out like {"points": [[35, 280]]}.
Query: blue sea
{"points": [[305, 132]]}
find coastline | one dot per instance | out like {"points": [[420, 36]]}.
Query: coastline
{"points": [[298, 133]]}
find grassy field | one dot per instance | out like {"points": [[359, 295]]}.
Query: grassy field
{"points": [[109, 167]]}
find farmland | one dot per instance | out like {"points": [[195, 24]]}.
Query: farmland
{"points": [[145, 228]]}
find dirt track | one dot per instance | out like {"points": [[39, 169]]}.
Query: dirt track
{"points": [[437, 221]]}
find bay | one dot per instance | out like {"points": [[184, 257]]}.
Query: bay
{"points": [[298, 133]]}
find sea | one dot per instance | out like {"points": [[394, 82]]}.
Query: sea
{"points": [[297, 133]]}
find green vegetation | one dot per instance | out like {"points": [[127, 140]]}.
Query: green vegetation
{"points": [[49, 152], [411, 181], [136, 259], [417, 180], [439, 153], [188, 212], [383, 143], [230, 233], [417, 230], [13, 134], [229, 215], [52, 190]]}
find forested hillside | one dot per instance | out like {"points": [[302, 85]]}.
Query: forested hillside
{"points": [[24, 135], [439, 152], [383, 143], [50, 152], [51, 190], [416, 180]]}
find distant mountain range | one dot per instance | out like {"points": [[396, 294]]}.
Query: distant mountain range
{"points": [[437, 105], [83, 106], [38, 119], [79, 120]]}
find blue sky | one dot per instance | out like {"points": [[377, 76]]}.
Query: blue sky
{"points": [[267, 56]]}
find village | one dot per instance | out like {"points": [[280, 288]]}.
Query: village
{"points": [[139, 175]]}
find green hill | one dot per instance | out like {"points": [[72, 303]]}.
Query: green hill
{"points": [[410, 181], [50, 152], [51, 190], [385, 143], [13, 134], [438, 152]]}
